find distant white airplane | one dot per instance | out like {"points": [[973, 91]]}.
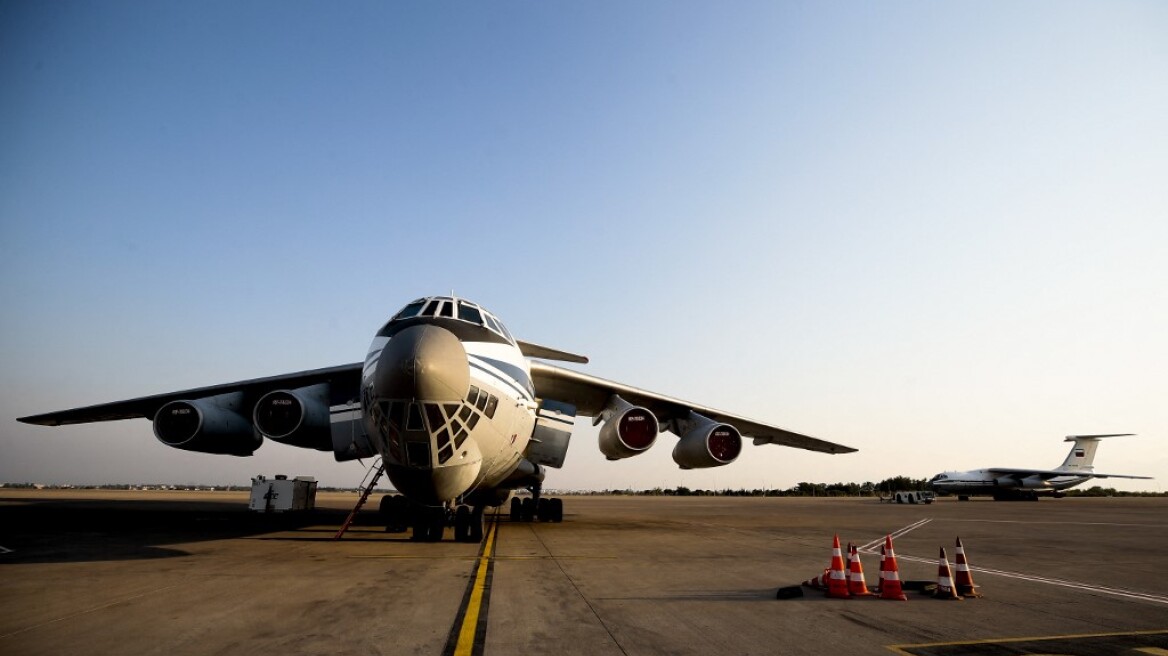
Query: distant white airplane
{"points": [[458, 413], [1006, 483]]}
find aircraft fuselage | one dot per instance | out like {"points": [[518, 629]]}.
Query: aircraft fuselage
{"points": [[449, 405], [982, 481]]}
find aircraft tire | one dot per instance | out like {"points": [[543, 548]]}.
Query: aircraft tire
{"points": [[437, 521], [394, 512], [541, 510], [528, 509], [477, 521], [405, 514], [462, 524], [557, 510], [516, 509], [420, 528]]}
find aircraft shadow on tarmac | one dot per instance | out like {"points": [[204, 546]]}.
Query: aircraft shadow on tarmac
{"points": [[74, 530]]}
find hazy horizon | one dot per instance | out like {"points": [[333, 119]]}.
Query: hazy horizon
{"points": [[931, 231]]}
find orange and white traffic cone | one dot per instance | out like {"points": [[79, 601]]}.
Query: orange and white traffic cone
{"points": [[964, 578], [837, 582], [890, 574], [856, 585], [818, 582], [945, 589]]}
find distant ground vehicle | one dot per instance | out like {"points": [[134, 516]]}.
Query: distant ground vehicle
{"points": [[913, 496], [281, 494]]}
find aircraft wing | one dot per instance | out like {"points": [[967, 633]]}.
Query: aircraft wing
{"points": [[590, 395], [1046, 474], [345, 382]]}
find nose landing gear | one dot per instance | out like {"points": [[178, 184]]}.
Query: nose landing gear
{"points": [[469, 524]]}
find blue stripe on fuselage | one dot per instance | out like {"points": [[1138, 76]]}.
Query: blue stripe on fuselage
{"points": [[518, 381]]}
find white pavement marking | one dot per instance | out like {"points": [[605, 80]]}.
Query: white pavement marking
{"points": [[873, 546], [1118, 592], [4, 550]]}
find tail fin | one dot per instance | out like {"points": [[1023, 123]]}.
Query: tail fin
{"points": [[1083, 453]]}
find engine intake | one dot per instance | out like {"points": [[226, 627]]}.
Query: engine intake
{"points": [[628, 430], [705, 442], [208, 425], [299, 417]]}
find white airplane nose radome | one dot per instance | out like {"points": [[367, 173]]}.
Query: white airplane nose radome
{"points": [[423, 362]]}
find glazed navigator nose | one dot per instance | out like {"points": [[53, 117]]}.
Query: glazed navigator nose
{"points": [[423, 362]]}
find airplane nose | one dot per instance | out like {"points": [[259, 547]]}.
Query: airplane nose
{"points": [[423, 362]]}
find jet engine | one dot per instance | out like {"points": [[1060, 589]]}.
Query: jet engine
{"points": [[628, 429], [299, 417], [705, 442], [207, 425]]}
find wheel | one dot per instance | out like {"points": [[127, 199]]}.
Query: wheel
{"points": [[420, 528], [541, 510], [403, 514], [394, 511], [557, 510], [476, 528], [385, 511], [437, 521], [528, 509], [516, 509], [429, 523], [963, 497], [462, 524]]}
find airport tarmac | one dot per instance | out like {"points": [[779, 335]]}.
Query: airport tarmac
{"points": [[194, 573]]}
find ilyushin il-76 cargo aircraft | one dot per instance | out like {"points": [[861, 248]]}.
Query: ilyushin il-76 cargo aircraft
{"points": [[458, 413], [1006, 483]]}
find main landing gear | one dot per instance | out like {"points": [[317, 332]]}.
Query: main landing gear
{"points": [[536, 507], [428, 523]]}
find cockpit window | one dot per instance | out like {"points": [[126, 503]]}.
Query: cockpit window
{"points": [[470, 313], [411, 310], [449, 307], [505, 333]]}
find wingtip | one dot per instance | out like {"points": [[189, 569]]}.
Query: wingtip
{"points": [[37, 420]]}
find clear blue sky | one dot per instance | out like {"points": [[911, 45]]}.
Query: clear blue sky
{"points": [[934, 231]]}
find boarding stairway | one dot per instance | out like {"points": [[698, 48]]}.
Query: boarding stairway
{"points": [[376, 470]]}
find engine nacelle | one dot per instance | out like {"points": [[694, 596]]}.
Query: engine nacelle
{"points": [[628, 430], [208, 425], [705, 443], [299, 417]]}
